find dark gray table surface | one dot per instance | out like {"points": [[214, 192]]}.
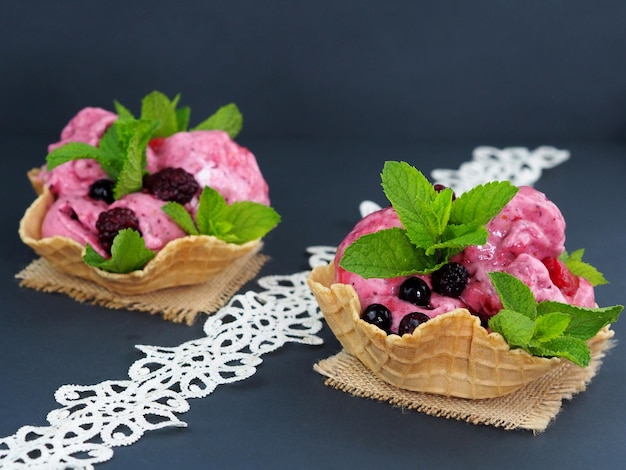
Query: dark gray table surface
{"points": [[284, 416]]}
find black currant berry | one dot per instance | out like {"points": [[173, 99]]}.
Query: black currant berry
{"points": [[411, 321], [450, 279], [378, 315], [102, 190], [440, 187], [416, 291]]}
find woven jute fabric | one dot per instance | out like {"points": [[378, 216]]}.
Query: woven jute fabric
{"points": [[176, 304], [532, 407]]}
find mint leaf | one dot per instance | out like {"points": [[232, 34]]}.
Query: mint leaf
{"points": [[240, 222], [250, 220], [577, 266], [72, 151], [228, 118], [574, 349], [133, 138], [384, 254], [158, 107], [128, 253], [584, 322], [514, 294], [550, 326], [411, 195], [210, 207], [122, 111], [516, 328], [182, 118], [482, 203], [559, 330], [181, 217], [458, 237]]}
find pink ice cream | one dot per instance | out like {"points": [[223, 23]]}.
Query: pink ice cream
{"points": [[74, 217], [529, 230], [88, 126], [155, 226], [215, 160], [75, 177]]}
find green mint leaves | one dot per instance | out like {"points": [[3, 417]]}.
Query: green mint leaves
{"points": [[122, 149], [578, 267], [171, 119], [436, 225], [546, 329], [121, 153], [239, 222], [128, 253]]}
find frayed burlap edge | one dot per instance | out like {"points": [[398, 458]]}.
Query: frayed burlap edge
{"points": [[175, 304], [532, 407]]}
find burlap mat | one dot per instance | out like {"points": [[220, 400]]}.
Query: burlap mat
{"points": [[176, 304], [532, 408]]}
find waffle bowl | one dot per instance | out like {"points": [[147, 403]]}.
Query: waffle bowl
{"points": [[450, 355], [185, 261]]}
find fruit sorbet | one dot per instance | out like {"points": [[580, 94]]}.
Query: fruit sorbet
{"points": [[211, 157], [525, 240]]}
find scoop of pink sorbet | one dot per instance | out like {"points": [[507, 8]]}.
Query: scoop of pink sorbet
{"points": [[216, 161], [74, 217], [87, 126], [528, 230], [75, 177], [155, 226]]}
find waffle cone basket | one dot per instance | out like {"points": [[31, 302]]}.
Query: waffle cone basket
{"points": [[184, 261], [450, 355]]}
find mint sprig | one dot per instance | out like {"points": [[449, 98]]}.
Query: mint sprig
{"points": [[578, 267], [128, 253], [122, 149], [156, 106], [121, 153], [548, 328], [239, 222], [436, 225]]}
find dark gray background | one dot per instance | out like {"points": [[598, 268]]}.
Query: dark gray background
{"points": [[327, 69], [329, 91]]}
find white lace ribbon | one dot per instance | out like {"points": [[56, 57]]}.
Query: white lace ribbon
{"points": [[93, 419]]}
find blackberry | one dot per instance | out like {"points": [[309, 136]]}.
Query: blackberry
{"points": [[102, 190], [416, 291], [112, 221], [450, 279], [378, 315], [171, 184], [411, 321]]}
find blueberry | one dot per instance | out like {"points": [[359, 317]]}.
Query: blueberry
{"points": [[378, 315], [103, 190], [450, 280], [411, 321], [416, 291]]}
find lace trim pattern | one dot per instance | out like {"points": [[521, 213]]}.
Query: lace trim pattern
{"points": [[93, 419]]}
